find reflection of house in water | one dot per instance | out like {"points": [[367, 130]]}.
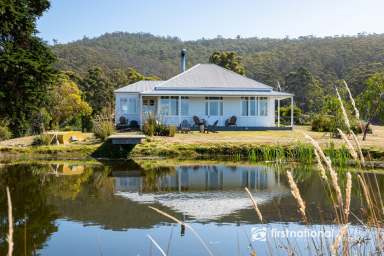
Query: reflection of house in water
{"points": [[201, 178], [205, 192]]}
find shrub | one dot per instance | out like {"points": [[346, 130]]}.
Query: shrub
{"points": [[322, 123], [42, 139], [298, 116], [152, 127], [149, 129], [103, 127], [329, 123], [5, 132], [172, 131]]}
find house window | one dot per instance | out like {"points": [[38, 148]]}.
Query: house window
{"points": [[132, 105], [124, 105], [254, 106], [169, 106], [214, 106], [184, 106], [128, 105], [244, 106], [263, 106]]}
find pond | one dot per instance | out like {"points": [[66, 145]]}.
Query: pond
{"points": [[75, 208]]}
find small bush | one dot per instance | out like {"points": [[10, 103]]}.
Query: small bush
{"points": [[149, 129], [42, 139], [172, 131], [5, 132], [103, 127], [152, 127], [329, 123], [323, 123]]}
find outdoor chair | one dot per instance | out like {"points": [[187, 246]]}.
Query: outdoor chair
{"points": [[197, 122], [123, 124], [211, 128], [231, 121], [185, 126]]}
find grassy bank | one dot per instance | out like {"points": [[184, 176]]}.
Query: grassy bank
{"points": [[246, 145]]}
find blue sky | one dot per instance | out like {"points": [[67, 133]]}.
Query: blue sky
{"points": [[69, 20]]}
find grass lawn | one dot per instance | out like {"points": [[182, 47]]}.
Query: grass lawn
{"points": [[375, 140]]}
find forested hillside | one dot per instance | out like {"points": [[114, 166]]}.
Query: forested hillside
{"points": [[352, 58]]}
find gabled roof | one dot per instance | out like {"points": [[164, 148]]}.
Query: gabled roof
{"points": [[211, 77], [141, 86]]}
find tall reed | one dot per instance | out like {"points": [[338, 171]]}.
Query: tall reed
{"points": [[258, 212], [10, 223], [339, 237], [296, 194], [185, 225], [357, 113], [348, 191], [156, 245]]}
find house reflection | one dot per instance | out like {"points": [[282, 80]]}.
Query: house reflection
{"points": [[202, 178], [203, 192]]}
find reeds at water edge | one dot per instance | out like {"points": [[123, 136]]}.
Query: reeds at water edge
{"points": [[10, 223], [185, 225], [348, 191], [336, 243], [357, 112], [296, 194], [258, 212]]}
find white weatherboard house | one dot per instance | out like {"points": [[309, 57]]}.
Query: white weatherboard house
{"points": [[207, 91]]}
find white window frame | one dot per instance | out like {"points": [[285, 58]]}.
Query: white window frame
{"points": [[168, 98], [220, 104], [266, 105], [131, 109], [257, 105], [185, 101]]}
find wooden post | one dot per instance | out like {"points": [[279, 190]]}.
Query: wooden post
{"points": [[179, 109], [292, 111], [278, 112], [141, 111]]}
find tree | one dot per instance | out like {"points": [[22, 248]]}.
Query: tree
{"points": [[371, 101], [26, 71], [66, 103], [98, 90], [308, 91], [228, 60]]}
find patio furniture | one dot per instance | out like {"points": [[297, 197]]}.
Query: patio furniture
{"points": [[231, 121], [197, 121], [212, 128], [123, 124], [185, 126]]}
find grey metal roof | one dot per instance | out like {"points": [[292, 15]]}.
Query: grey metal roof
{"points": [[141, 86], [210, 77], [223, 93]]}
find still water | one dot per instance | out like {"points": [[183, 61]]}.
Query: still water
{"points": [[75, 208]]}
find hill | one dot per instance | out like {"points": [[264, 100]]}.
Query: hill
{"points": [[267, 60]]}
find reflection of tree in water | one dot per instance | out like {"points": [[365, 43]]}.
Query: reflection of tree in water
{"points": [[34, 216], [34, 219], [152, 177]]}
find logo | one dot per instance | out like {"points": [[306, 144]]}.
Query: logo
{"points": [[259, 234]]}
